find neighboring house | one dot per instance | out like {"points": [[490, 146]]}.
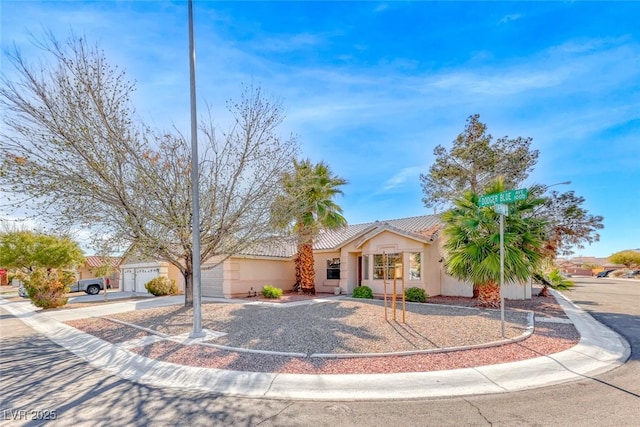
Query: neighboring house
{"points": [[136, 272], [92, 263], [347, 258], [576, 265]]}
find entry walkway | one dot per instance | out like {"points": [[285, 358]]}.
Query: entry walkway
{"points": [[600, 349]]}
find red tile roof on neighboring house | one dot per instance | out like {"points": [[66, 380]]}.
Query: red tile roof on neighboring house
{"points": [[96, 261]]}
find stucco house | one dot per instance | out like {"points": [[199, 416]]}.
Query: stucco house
{"points": [[349, 257], [92, 263], [135, 272]]}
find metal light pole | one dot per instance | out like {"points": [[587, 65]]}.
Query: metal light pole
{"points": [[557, 183], [195, 193]]}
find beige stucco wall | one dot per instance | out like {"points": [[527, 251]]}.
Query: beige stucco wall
{"points": [[173, 272], [239, 276], [389, 242], [320, 258], [244, 275]]}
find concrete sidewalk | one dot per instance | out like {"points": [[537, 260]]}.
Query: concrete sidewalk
{"points": [[599, 350]]}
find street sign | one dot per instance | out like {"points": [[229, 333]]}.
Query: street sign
{"points": [[509, 196], [499, 202], [501, 209]]}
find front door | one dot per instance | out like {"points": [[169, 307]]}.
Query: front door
{"points": [[359, 270]]}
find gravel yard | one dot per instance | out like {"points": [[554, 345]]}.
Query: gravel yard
{"points": [[342, 327], [337, 326]]}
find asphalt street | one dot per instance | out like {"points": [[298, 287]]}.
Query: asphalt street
{"points": [[39, 379]]}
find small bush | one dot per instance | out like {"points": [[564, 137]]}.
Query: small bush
{"points": [[363, 292], [161, 286], [415, 295], [47, 288], [271, 292], [558, 281]]}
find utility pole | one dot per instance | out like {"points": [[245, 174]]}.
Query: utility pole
{"points": [[195, 188]]}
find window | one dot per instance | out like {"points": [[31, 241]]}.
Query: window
{"points": [[365, 267], [415, 268], [333, 268], [379, 265]]}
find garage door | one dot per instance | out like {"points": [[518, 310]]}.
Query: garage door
{"points": [[127, 280], [143, 275], [134, 279], [211, 280]]}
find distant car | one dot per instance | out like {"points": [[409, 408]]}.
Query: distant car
{"points": [[604, 273], [632, 274], [22, 291], [90, 286]]}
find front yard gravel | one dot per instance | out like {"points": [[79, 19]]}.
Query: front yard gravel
{"points": [[343, 327], [336, 327]]}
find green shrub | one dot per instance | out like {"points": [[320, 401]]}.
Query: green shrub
{"points": [[363, 292], [558, 281], [47, 288], [415, 295], [271, 292], [161, 286]]}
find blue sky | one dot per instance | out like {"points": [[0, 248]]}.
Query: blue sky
{"points": [[372, 87]]}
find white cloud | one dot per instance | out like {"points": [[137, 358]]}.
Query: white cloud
{"points": [[505, 82], [510, 18], [381, 7], [410, 173]]}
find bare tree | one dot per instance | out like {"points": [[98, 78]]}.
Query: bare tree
{"points": [[75, 152]]}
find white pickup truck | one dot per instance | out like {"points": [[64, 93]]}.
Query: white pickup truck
{"points": [[90, 286]]}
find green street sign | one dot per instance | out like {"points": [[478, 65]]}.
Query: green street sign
{"points": [[501, 209], [502, 198]]}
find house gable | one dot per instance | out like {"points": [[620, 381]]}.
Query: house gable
{"points": [[386, 228], [421, 228]]}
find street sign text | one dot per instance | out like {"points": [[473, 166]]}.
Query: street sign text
{"points": [[502, 198]]}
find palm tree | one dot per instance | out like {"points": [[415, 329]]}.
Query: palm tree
{"points": [[307, 204], [472, 243]]}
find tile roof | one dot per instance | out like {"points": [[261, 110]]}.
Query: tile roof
{"points": [[96, 261], [281, 250], [424, 228], [421, 227]]}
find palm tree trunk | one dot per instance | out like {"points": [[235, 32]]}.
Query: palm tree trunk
{"points": [[306, 268], [489, 295]]}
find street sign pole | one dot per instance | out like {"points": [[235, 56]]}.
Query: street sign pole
{"points": [[498, 201], [502, 272]]}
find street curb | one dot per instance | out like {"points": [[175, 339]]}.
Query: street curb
{"points": [[600, 349]]}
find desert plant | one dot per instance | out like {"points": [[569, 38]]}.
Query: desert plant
{"points": [[161, 286], [46, 288], [271, 292], [415, 295], [558, 281], [363, 292]]}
